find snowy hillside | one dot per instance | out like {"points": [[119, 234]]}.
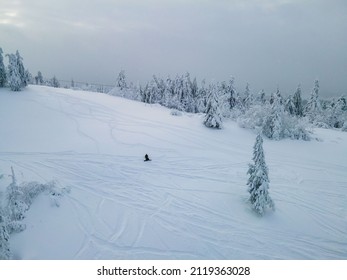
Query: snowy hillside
{"points": [[189, 202]]}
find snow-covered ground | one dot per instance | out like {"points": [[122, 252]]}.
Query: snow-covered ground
{"points": [[189, 202]]}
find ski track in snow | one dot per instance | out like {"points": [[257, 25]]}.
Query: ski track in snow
{"points": [[182, 205]]}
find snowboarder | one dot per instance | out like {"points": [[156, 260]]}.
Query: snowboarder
{"points": [[147, 158]]}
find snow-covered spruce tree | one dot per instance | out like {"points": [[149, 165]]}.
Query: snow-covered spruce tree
{"points": [[157, 90], [194, 89], [231, 93], [2, 70], [213, 117], [273, 124], [261, 99], [145, 94], [228, 97], [258, 182], [289, 105], [313, 108], [202, 97], [121, 80], [13, 76], [297, 101], [5, 253], [170, 98], [189, 94], [248, 97], [21, 70]]}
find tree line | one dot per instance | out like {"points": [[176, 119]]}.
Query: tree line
{"points": [[274, 116]]}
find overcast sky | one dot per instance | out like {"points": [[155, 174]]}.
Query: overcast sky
{"points": [[267, 43]]}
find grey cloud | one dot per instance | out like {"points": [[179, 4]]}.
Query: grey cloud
{"points": [[267, 43]]}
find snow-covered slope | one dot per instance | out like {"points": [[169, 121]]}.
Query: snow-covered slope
{"points": [[189, 202]]}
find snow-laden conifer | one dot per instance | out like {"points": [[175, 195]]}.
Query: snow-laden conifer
{"points": [[213, 117], [289, 105], [13, 76], [273, 125], [121, 80], [297, 102], [228, 92], [313, 107], [258, 182], [21, 70], [261, 99], [248, 97]]}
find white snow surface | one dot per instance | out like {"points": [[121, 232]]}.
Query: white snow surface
{"points": [[189, 202]]}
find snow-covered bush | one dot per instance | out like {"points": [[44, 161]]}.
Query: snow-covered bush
{"points": [[274, 124], [20, 197], [254, 118], [13, 205], [296, 128]]}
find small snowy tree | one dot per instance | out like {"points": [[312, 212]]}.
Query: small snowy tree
{"points": [[2, 70], [258, 182], [213, 117]]}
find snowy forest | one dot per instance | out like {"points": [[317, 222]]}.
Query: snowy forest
{"points": [[273, 115]]}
